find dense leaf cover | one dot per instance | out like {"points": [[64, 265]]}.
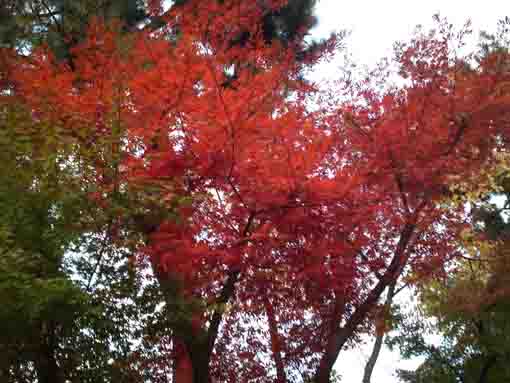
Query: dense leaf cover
{"points": [[468, 309], [289, 218]]}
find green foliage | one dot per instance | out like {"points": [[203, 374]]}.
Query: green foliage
{"points": [[474, 327], [61, 23], [69, 294], [35, 229]]}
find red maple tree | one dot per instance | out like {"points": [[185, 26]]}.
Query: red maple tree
{"points": [[298, 220]]}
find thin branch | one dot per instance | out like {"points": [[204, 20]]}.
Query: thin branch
{"points": [[100, 257], [226, 293], [343, 334], [372, 360]]}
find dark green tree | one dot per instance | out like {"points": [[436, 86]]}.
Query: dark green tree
{"points": [[71, 306], [61, 23]]}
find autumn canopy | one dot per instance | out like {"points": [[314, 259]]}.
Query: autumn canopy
{"points": [[274, 213]]}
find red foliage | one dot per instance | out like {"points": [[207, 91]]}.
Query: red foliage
{"points": [[299, 216]]}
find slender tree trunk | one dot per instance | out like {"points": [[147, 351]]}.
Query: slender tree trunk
{"points": [[195, 340], [46, 365], [183, 366], [275, 342], [47, 370], [341, 335], [327, 362], [191, 364], [369, 367], [484, 374]]}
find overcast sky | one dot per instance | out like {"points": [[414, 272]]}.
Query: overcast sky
{"points": [[375, 25]]}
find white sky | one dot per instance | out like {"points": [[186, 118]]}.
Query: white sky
{"points": [[375, 26]]}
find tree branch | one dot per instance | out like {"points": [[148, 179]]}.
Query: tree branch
{"points": [[369, 367], [342, 335], [226, 293]]}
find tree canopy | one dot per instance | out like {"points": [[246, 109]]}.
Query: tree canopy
{"points": [[262, 232]]}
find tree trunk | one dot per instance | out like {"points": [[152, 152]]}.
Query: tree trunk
{"points": [[484, 374], [183, 367], [191, 364], [47, 367], [275, 342], [369, 367], [341, 335]]}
